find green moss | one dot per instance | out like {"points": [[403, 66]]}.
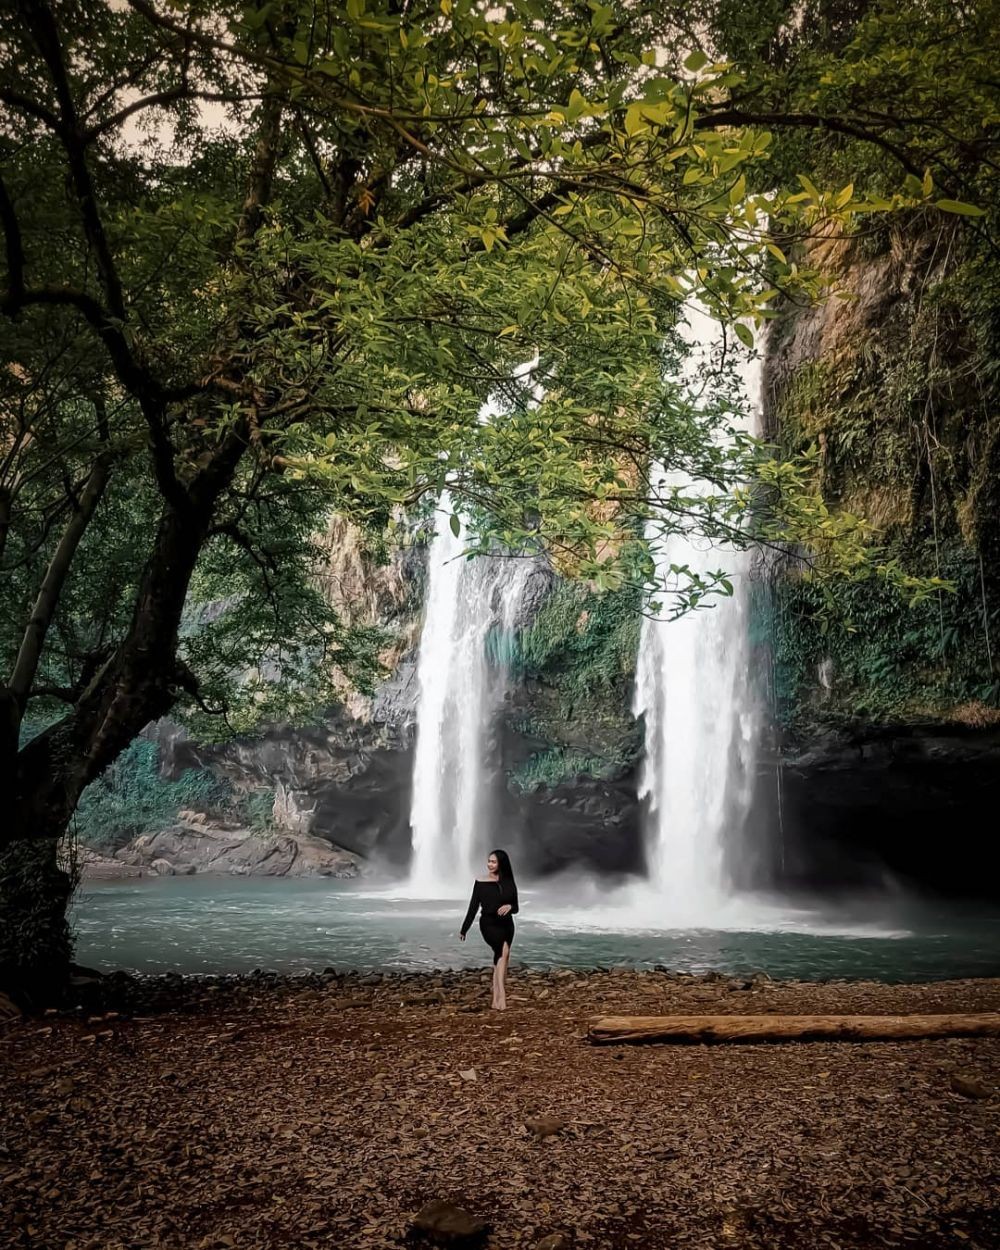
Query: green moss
{"points": [[559, 764], [881, 659], [902, 411], [583, 641], [579, 660]]}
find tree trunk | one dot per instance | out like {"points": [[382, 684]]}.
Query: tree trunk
{"points": [[138, 684], [35, 941], [775, 1028]]}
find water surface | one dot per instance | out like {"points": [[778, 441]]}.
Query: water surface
{"points": [[233, 924]]}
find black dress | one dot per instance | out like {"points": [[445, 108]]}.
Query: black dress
{"points": [[490, 896]]}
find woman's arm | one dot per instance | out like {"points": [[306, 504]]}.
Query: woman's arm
{"points": [[508, 909], [470, 915]]}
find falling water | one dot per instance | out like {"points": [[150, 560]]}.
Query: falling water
{"points": [[458, 693], [694, 690]]}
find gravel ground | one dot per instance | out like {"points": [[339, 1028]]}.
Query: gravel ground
{"points": [[325, 1111]]}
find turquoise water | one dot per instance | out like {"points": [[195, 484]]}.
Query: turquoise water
{"points": [[233, 924]]}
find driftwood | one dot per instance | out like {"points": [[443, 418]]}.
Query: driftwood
{"points": [[790, 1028]]}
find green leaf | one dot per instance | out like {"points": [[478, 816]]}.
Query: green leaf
{"points": [[633, 119], [844, 196], [744, 334], [455, 523], [809, 187], [695, 61], [957, 206]]}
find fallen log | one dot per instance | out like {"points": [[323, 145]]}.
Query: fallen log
{"points": [[694, 1029]]}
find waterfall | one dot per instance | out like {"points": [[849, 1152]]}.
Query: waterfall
{"points": [[458, 694], [693, 687]]}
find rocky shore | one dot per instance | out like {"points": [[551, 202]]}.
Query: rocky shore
{"points": [[330, 1109], [197, 844]]}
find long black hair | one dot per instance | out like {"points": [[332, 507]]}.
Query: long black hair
{"points": [[504, 871]]}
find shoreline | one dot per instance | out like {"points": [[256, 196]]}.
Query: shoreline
{"points": [[129, 992]]}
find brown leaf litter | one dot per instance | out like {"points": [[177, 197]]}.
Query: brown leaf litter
{"points": [[267, 1113]]}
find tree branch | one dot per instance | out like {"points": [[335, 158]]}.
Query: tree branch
{"points": [[47, 37], [159, 98], [810, 121], [26, 105], [262, 171], [133, 375], [47, 600], [13, 242]]}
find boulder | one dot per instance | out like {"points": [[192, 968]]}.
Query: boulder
{"points": [[197, 845]]}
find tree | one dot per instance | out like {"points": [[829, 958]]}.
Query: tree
{"points": [[268, 260]]}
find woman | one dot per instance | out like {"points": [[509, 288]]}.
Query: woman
{"points": [[497, 896]]}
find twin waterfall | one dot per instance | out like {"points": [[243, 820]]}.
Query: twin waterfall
{"points": [[692, 688]]}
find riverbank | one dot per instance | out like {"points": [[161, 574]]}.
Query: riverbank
{"points": [[258, 1112]]}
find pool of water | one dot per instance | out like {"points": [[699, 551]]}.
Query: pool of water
{"points": [[233, 924]]}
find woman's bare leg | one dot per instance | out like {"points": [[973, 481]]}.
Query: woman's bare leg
{"points": [[500, 977], [496, 979]]}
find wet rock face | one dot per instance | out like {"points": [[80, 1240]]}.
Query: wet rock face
{"points": [[913, 803], [196, 846], [585, 824], [347, 780], [854, 807]]}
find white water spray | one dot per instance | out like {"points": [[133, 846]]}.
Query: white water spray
{"points": [[693, 688]]}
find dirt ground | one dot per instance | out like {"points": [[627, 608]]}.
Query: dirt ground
{"points": [[325, 1112]]}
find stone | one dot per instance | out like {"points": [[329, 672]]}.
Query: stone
{"points": [[162, 867], [445, 1224], [970, 1086], [554, 1241], [545, 1125]]}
